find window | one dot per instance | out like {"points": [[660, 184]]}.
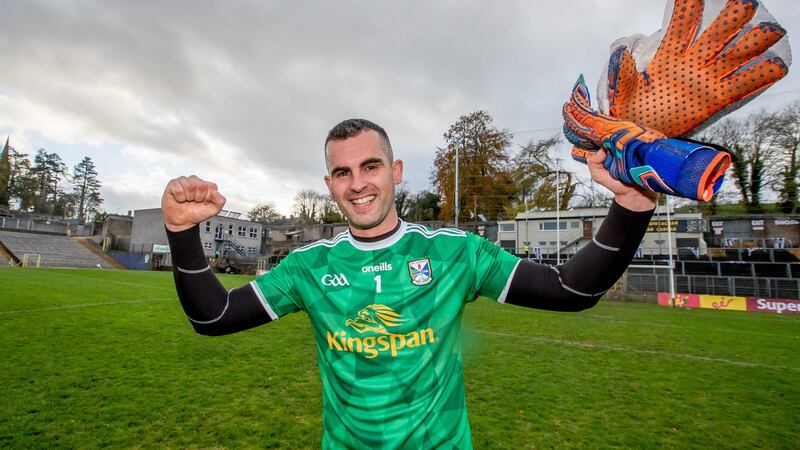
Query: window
{"points": [[551, 226], [253, 232], [242, 232], [508, 227], [208, 226], [207, 245], [230, 229], [251, 250], [507, 245], [574, 224]]}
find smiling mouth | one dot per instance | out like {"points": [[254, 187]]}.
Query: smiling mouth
{"points": [[363, 200]]}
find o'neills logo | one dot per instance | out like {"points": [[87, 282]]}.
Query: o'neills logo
{"points": [[376, 319], [382, 267]]}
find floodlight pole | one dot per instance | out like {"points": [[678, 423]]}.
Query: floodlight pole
{"points": [[558, 210], [669, 257], [527, 242], [456, 191]]}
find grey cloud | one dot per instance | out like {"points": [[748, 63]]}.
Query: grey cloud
{"points": [[268, 79]]}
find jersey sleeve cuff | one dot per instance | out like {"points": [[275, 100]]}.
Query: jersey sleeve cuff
{"points": [[620, 224], [187, 249]]}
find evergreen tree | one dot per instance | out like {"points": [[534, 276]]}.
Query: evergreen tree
{"points": [[85, 197], [49, 169], [5, 176], [21, 181]]}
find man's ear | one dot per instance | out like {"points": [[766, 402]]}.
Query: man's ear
{"points": [[327, 179], [397, 171]]}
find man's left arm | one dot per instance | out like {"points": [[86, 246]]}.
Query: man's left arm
{"points": [[580, 282]]}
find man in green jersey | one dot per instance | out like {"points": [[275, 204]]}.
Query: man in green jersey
{"points": [[385, 298]]}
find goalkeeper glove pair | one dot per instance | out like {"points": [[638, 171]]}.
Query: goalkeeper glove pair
{"points": [[641, 156], [694, 72]]}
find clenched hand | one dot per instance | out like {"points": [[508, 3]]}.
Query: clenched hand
{"points": [[188, 201]]}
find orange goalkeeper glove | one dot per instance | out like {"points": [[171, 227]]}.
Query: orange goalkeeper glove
{"points": [[694, 77], [641, 156]]}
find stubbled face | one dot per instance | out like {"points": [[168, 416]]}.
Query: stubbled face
{"points": [[361, 180]]}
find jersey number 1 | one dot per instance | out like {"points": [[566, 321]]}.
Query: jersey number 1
{"points": [[378, 284]]}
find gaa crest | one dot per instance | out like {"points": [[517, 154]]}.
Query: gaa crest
{"points": [[420, 271]]}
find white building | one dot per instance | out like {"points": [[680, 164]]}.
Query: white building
{"points": [[548, 234], [222, 233]]}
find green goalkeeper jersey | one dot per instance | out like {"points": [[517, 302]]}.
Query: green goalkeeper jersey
{"points": [[386, 317]]}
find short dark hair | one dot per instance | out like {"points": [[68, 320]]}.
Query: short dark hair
{"points": [[353, 127]]}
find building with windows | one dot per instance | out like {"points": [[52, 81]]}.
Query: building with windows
{"points": [[545, 234], [223, 235], [763, 230]]}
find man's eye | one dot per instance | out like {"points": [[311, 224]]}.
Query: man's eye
{"points": [[340, 174], [371, 167]]}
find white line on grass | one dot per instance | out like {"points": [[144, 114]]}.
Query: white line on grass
{"points": [[85, 305], [621, 348], [604, 318], [128, 283]]}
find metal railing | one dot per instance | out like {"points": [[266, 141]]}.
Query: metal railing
{"points": [[15, 223], [648, 283]]}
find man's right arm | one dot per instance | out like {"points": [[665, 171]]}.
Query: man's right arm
{"points": [[213, 311]]}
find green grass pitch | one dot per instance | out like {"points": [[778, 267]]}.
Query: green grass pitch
{"points": [[100, 358]]}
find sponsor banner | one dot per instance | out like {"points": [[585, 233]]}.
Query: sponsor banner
{"points": [[723, 302], [729, 302], [659, 226], [160, 248], [773, 305], [681, 300]]}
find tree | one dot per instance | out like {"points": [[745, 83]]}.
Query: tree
{"points": [[425, 206], [22, 181], [752, 141], [403, 199], [787, 128], [264, 212], [66, 205], [308, 205], [536, 172], [5, 175], [485, 184], [85, 189], [330, 211], [589, 194], [48, 169]]}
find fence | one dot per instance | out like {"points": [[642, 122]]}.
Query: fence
{"points": [[649, 283], [759, 277], [15, 223]]}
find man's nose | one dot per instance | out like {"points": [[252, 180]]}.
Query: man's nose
{"points": [[358, 182]]}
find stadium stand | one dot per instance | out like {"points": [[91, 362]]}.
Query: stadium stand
{"points": [[55, 251]]}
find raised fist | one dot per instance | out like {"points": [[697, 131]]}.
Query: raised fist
{"points": [[188, 201]]}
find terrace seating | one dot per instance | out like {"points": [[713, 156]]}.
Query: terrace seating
{"points": [[55, 251], [785, 255]]}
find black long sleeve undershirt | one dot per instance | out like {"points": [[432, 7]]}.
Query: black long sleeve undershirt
{"points": [[579, 283], [573, 286], [211, 309]]}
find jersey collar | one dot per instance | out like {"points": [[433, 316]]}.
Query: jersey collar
{"points": [[382, 241]]}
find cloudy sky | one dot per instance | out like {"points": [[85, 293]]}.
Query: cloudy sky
{"points": [[244, 92]]}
